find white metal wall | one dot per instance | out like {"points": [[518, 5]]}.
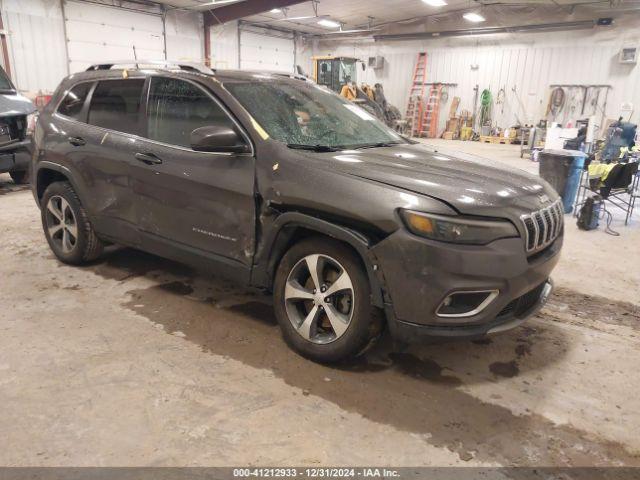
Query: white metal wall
{"points": [[97, 33], [185, 36], [529, 63], [239, 46], [36, 43], [36, 38], [224, 46], [262, 50]]}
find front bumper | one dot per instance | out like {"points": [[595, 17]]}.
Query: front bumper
{"points": [[15, 156], [419, 273], [410, 332]]}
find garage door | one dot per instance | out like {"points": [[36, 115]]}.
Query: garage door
{"points": [[266, 52], [97, 33]]}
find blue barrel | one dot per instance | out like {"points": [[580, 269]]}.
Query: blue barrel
{"points": [[561, 168], [573, 180]]}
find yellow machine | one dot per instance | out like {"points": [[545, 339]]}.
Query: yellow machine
{"points": [[339, 74], [335, 73]]}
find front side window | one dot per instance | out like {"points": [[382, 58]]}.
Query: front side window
{"points": [[176, 108], [115, 104], [72, 103], [301, 113]]}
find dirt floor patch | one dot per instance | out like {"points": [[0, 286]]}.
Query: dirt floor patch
{"points": [[412, 391], [6, 188], [592, 306], [505, 369]]}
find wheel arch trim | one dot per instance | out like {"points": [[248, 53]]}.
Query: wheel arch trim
{"points": [[283, 228], [56, 167]]}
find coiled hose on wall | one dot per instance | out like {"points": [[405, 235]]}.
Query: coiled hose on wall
{"points": [[485, 107], [556, 101]]}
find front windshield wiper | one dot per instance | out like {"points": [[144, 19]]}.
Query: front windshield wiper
{"points": [[376, 145], [314, 148]]}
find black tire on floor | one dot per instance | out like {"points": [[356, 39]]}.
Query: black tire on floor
{"points": [[87, 246], [20, 177], [366, 321]]}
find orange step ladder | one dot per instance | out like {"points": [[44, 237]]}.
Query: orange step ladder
{"points": [[431, 113], [415, 103]]}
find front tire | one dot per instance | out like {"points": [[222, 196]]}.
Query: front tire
{"points": [[322, 301], [66, 225]]}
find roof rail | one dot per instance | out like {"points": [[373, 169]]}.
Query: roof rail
{"points": [[294, 76], [187, 66]]}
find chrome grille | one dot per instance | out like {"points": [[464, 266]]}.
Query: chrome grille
{"points": [[543, 227]]}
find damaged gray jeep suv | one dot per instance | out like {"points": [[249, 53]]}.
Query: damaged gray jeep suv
{"points": [[277, 183]]}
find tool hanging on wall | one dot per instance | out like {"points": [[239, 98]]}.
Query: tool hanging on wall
{"points": [[579, 96], [476, 89], [584, 99], [556, 102], [500, 100], [574, 101], [593, 103], [444, 96], [521, 104]]}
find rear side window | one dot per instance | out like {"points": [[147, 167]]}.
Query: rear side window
{"points": [[176, 108], [115, 104], [73, 101]]}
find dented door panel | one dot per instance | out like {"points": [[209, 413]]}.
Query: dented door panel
{"points": [[201, 200]]}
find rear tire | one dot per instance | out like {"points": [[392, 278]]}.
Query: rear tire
{"points": [[336, 322], [66, 225], [20, 177]]}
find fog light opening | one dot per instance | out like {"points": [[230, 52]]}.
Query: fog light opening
{"points": [[466, 304]]}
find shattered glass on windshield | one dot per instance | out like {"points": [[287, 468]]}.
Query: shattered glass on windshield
{"points": [[307, 115]]}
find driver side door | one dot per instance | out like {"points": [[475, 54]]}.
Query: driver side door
{"points": [[200, 202]]}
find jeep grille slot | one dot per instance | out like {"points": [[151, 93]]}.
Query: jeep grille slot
{"points": [[543, 227]]}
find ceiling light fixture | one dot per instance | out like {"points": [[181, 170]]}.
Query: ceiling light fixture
{"points": [[217, 2], [435, 3], [473, 17], [325, 22], [275, 10]]}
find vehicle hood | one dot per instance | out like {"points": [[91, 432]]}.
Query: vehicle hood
{"points": [[15, 104], [468, 183]]}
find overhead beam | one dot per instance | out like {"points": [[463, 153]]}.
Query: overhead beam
{"points": [[239, 10], [548, 27]]}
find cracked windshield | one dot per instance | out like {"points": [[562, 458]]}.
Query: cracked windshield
{"points": [[303, 115]]}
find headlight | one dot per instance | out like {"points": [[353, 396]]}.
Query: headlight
{"points": [[457, 229], [32, 118]]}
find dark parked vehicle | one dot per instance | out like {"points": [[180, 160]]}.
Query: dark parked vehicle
{"points": [[15, 113], [279, 184]]}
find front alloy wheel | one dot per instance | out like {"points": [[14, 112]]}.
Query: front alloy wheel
{"points": [[319, 298], [322, 300]]}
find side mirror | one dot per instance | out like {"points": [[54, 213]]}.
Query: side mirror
{"points": [[217, 138]]}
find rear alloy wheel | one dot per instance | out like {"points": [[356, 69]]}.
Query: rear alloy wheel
{"points": [[61, 224], [322, 301], [67, 227]]}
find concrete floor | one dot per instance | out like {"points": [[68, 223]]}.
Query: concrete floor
{"points": [[135, 360]]}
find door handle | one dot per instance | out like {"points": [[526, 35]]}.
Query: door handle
{"points": [[148, 158], [77, 141]]}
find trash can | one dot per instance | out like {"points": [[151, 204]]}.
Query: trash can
{"points": [[562, 168]]}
